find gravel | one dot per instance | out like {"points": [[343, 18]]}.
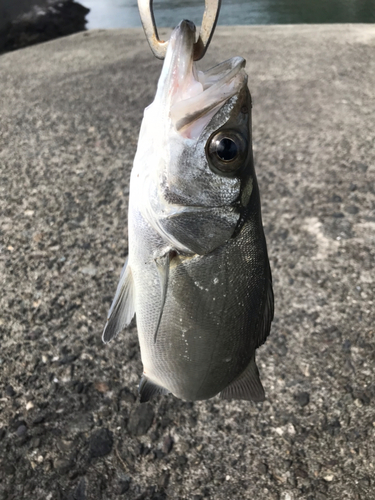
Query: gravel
{"points": [[71, 426]]}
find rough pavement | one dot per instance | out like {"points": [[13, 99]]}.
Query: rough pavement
{"points": [[70, 423]]}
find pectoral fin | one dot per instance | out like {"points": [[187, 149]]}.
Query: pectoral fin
{"points": [[148, 389], [247, 386], [162, 265], [123, 308]]}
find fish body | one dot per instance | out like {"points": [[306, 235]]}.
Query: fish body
{"points": [[197, 274]]}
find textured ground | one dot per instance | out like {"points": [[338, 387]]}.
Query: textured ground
{"points": [[70, 424]]}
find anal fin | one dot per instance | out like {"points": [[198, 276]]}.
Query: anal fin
{"points": [[123, 308], [148, 389], [246, 386]]}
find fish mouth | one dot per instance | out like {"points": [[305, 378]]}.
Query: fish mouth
{"points": [[190, 96]]}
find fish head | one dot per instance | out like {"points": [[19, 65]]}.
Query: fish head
{"points": [[194, 153]]}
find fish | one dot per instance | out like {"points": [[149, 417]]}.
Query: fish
{"points": [[197, 275]]}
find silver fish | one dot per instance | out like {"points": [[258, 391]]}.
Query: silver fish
{"points": [[197, 274]]}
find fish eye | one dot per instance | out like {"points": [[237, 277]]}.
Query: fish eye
{"points": [[226, 152]]}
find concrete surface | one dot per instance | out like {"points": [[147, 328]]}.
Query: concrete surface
{"points": [[70, 424]]}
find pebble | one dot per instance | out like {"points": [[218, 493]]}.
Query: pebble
{"points": [[302, 398], [141, 420], [62, 465], [181, 461], [8, 469], [90, 271], [167, 444], [163, 480], [124, 487], [101, 442], [9, 391], [80, 491], [352, 209], [21, 430], [29, 405], [262, 468]]}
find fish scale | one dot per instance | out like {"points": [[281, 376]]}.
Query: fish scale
{"points": [[197, 274]]}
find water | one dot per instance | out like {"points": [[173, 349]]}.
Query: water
{"points": [[124, 13]]}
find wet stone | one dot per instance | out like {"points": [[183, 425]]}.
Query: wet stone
{"points": [[101, 443], [141, 420]]}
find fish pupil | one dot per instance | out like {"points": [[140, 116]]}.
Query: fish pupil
{"points": [[227, 149]]}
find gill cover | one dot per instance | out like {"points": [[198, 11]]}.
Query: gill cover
{"points": [[194, 147]]}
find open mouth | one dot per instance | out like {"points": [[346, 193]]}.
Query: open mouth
{"points": [[192, 96]]}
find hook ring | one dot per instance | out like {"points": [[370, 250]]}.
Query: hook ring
{"points": [[159, 47]]}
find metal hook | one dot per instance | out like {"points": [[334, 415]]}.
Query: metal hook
{"points": [[159, 47]]}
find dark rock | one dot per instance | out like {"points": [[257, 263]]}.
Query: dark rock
{"points": [[39, 419], [35, 442], [167, 444], [365, 482], [262, 468], [299, 472], [352, 209], [362, 167], [127, 395], [163, 480], [181, 461], [101, 443], [302, 398], [160, 495], [141, 420], [78, 386], [9, 391], [336, 198], [60, 18], [154, 436], [9, 469], [79, 493], [21, 430], [62, 465], [333, 427], [158, 454], [123, 487]]}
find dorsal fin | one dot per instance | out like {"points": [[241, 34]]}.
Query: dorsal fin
{"points": [[123, 308], [247, 386], [148, 389]]}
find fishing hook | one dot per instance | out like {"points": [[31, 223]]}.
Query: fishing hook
{"points": [[159, 47]]}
